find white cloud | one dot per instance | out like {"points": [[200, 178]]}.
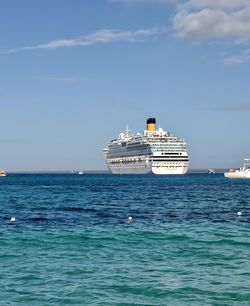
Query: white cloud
{"points": [[214, 4], [101, 36], [205, 19]]}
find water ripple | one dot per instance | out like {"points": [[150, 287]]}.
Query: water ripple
{"points": [[72, 242]]}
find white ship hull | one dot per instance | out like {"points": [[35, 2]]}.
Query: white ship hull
{"points": [[147, 168], [242, 173], [135, 168], [237, 175], [169, 171]]}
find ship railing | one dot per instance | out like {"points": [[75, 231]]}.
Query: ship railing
{"points": [[246, 163]]}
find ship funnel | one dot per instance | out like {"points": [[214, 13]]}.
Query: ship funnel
{"points": [[151, 124]]}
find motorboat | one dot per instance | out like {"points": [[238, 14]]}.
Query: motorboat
{"points": [[2, 172], [211, 171], [242, 173]]}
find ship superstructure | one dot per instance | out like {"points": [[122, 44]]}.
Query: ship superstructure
{"points": [[154, 151]]}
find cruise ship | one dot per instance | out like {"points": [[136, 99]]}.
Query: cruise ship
{"points": [[154, 151]]}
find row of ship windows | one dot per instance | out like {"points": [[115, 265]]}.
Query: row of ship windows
{"points": [[168, 163], [127, 156], [170, 166], [171, 160], [125, 161], [171, 154], [167, 145], [139, 160], [168, 150], [147, 150]]}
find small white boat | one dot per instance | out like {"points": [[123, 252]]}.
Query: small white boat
{"points": [[242, 173], [211, 171], [2, 173], [80, 172]]}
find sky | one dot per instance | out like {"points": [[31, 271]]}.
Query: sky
{"points": [[74, 74]]}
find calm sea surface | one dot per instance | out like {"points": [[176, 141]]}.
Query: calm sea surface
{"points": [[72, 243]]}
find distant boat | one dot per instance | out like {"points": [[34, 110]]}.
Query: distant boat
{"points": [[80, 172], [2, 173], [242, 173], [211, 171]]}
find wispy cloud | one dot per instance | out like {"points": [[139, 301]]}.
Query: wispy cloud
{"points": [[8, 140], [205, 19], [99, 37], [223, 21], [236, 60], [231, 108], [138, 2], [237, 108], [64, 79]]}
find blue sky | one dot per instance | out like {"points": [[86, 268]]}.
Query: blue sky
{"points": [[75, 73]]}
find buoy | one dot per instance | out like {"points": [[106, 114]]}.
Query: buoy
{"points": [[12, 219], [239, 213], [130, 218]]}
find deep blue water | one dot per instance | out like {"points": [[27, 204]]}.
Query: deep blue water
{"points": [[72, 243]]}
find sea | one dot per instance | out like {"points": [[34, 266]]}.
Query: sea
{"points": [[100, 239]]}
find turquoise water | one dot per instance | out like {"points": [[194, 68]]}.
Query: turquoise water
{"points": [[72, 243]]}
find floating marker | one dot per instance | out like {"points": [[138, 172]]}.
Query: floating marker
{"points": [[12, 219], [239, 213], [130, 218]]}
